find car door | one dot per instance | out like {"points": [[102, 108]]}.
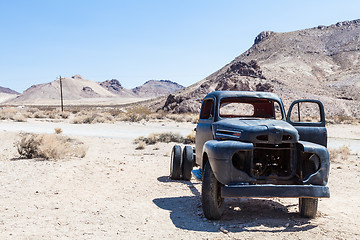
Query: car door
{"points": [[308, 117], [204, 127]]}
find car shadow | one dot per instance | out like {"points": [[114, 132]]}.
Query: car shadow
{"points": [[240, 215]]}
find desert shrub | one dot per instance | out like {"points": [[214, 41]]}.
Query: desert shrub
{"points": [[75, 110], [115, 112], [141, 145], [341, 153], [19, 117], [159, 115], [136, 113], [48, 146], [47, 113], [56, 114], [84, 117], [14, 114], [51, 114], [39, 114], [58, 130], [161, 137], [176, 117], [92, 117], [342, 119], [193, 118], [64, 115], [104, 117], [32, 110], [8, 113], [190, 139]]}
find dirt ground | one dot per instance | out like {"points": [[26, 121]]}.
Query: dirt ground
{"points": [[117, 192]]}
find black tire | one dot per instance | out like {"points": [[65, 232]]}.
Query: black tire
{"points": [[212, 202], [176, 163], [187, 165], [308, 207]]}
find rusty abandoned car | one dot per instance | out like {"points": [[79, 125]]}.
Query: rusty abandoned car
{"points": [[246, 146]]}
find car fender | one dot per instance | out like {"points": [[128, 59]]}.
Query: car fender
{"points": [[220, 155], [321, 176]]}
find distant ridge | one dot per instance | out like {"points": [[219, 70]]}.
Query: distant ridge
{"points": [[78, 89], [7, 94], [8, 90]]}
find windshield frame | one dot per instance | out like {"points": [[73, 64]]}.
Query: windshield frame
{"points": [[251, 100]]}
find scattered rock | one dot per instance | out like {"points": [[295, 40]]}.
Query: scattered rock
{"points": [[77, 77], [112, 85], [251, 69], [262, 36], [264, 87], [224, 230], [232, 85]]}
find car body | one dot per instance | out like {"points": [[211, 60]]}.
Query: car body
{"points": [[251, 148]]}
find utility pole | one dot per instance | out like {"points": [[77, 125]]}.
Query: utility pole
{"points": [[61, 95]]}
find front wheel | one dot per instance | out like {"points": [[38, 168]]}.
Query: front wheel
{"points": [[212, 202], [308, 207], [176, 163]]}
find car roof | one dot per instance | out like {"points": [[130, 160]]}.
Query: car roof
{"points": [[243, 94]]}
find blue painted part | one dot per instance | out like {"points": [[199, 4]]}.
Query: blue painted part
{"points": [[197, 173]]}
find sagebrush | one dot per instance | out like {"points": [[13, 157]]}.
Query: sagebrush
{"points": [[339, 154], [49, 146], [166, 137]]}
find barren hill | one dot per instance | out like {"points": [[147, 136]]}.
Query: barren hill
{"points": [[74, 88], [8, 90], [321, 63], [7, 94], [77, 90]]}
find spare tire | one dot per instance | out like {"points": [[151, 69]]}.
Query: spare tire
{"points": [[176, 163], [187, 165]]}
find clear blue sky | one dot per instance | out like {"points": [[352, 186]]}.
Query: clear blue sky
{"points": [[135, 41]]}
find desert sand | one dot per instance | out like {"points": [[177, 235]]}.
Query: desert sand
{"points": [[117, 192]]}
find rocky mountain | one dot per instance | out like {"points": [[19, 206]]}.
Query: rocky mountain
{"points": [[115, 87], [157, 88], [150, 89], [319, 63]]}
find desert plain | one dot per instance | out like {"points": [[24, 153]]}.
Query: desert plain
{"points": [[119, 192]]}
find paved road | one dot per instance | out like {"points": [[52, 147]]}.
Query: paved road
{"points": [[128, 130], [117, 130]]}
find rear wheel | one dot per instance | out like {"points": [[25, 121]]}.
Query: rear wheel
{"points": [[176, 163], [308, 207], [212, 202], [187, 166]]}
